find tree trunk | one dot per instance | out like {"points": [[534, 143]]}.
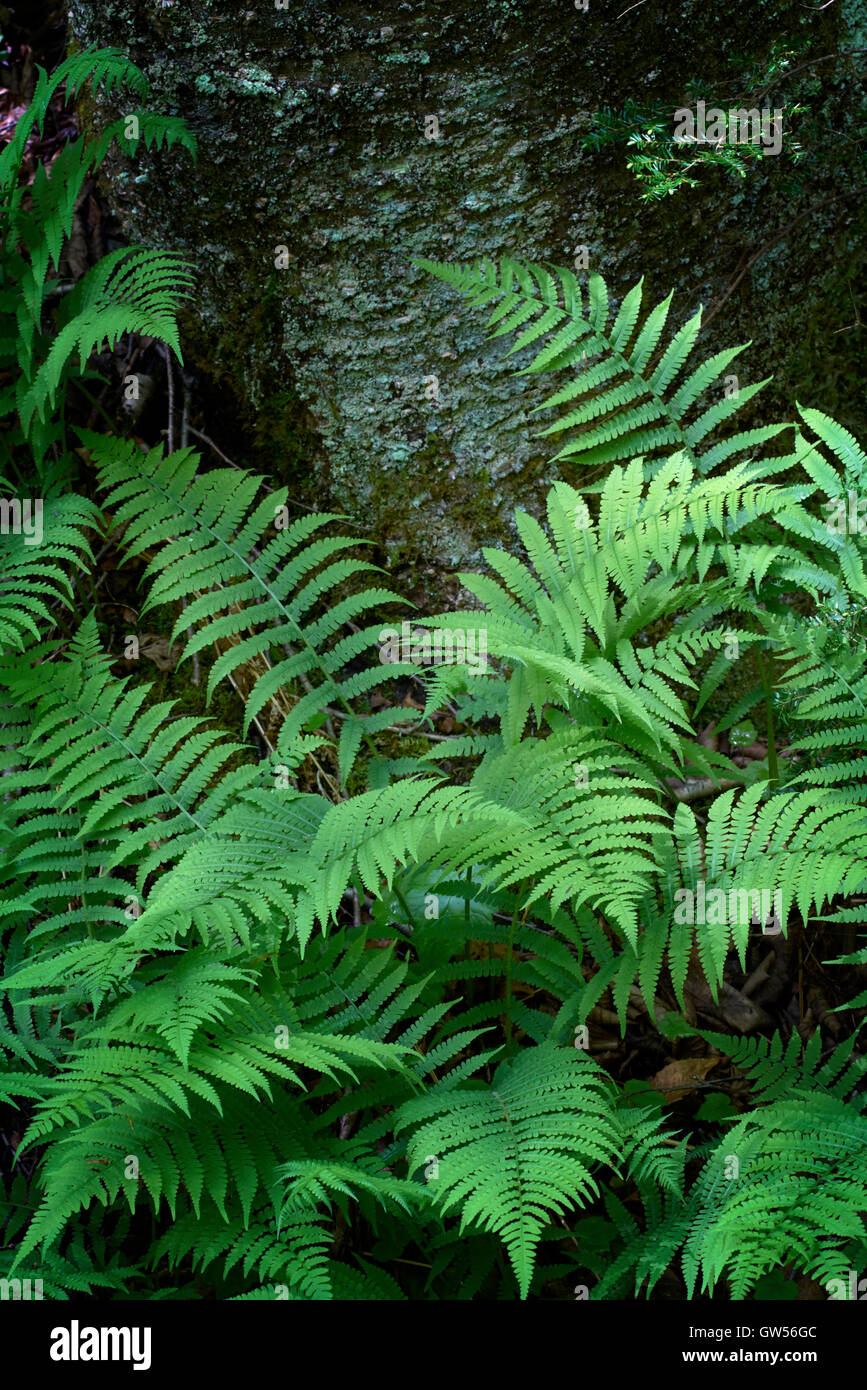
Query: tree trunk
{"points": [[316, 133]]}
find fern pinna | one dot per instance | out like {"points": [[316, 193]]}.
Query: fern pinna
{"points": [[277, 1011]]}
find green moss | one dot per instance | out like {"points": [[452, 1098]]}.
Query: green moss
{"points": [[311, 129]]}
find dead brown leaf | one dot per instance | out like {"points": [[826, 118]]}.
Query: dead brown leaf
{"points": [[157, 650], [678, 1077]]}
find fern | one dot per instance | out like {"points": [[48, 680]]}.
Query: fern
{"points": [[796, 1191], [275, 594], [33, 578], [519, 1150], [126, 292], [258, 1019], [778, 1072], [132, 290], [631, 407]]}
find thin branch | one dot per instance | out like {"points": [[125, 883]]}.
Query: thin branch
{"points": [[167, 357], [838, 197], [843, 53]]}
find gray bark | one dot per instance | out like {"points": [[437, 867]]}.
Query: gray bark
{"points": [[311, 125]]}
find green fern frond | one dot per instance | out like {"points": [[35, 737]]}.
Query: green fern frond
{"points": [[629, 406], [272, 599], [512, 1154], [108, 67], [777, 1072], [785, 1183], [131, 290], [33, 571], [296, 1258]]}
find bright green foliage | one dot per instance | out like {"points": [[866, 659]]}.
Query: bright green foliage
{"points": [[33, 574], [825, 684], [798, 81], [787, 1181], [776, 1072], [659, 162], [796, 1191], [785, 1184], [127, 292], [521, 1149], [305, 1005], [663, 164], [262, 596], [132, 290], [622, 405]]}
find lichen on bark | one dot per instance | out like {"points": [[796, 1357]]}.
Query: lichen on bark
{"points": [[314, 134]]}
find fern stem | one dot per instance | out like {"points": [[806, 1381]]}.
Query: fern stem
{"points": [[405, 907], [79, 386], [766, 670], [510, 957]]}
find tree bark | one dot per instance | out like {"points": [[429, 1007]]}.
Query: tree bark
{"points": [[315, 134]]}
